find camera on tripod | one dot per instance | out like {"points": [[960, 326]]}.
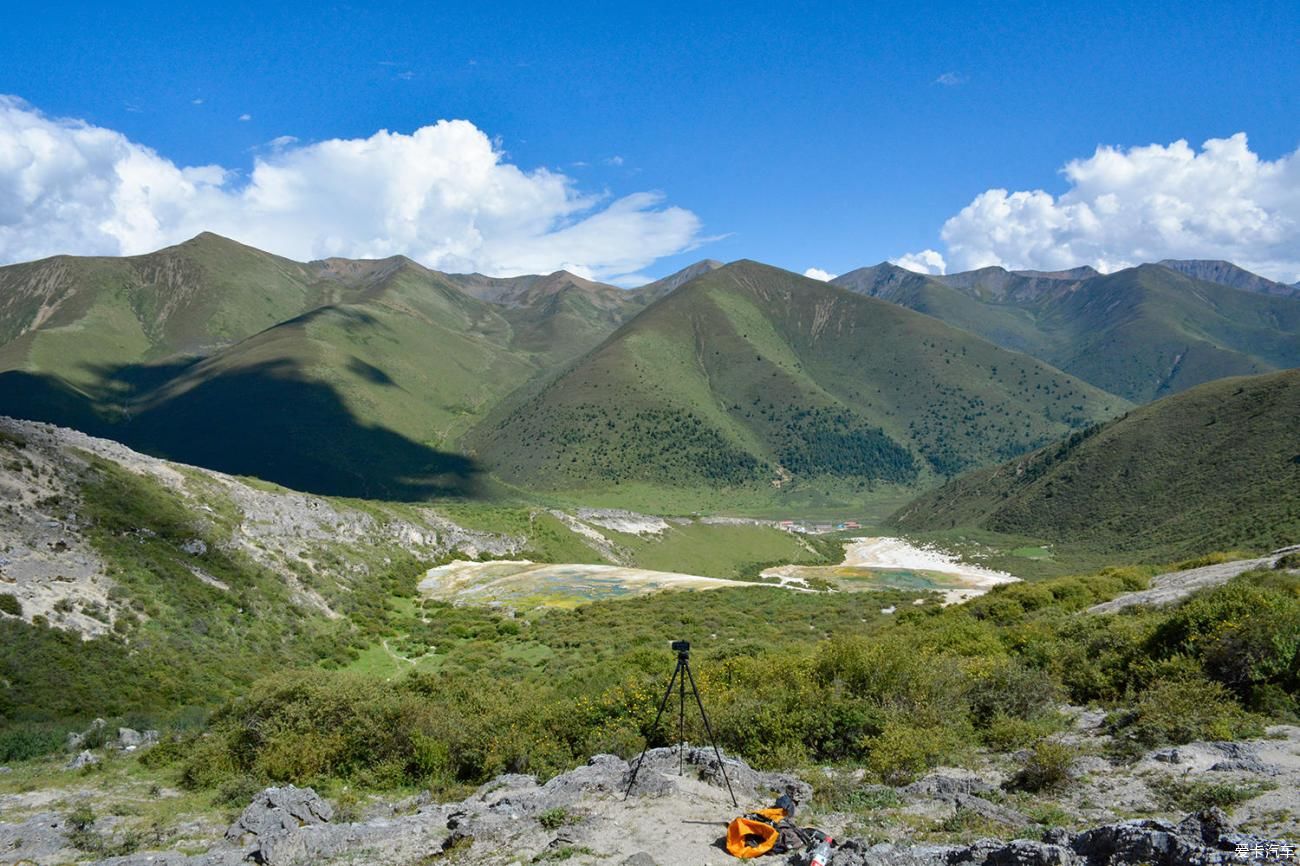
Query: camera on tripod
{"points": [[681, 676]]}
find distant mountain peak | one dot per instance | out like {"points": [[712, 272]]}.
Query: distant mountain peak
{"points": [[1227, 274], [651, 292]]}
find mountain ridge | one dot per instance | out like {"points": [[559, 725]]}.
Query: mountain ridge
{"points": [[1216, 467]]}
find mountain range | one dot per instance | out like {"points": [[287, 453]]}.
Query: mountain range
{"points": [[383, 378], [1140, 333]]}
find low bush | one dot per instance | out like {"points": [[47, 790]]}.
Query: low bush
{"points": [[1046, 767], [25, 742], [1192, 795], [1173, 712]]}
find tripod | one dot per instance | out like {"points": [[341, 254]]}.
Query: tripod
{"points": [[681, 674]]}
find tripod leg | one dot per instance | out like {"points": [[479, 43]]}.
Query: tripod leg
{"points": [[709, 730], [681, 725], [658, 715]]}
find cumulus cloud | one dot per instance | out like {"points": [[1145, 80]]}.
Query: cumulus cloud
{"points": [[1142, 204], [819, 274], [924, 262], [950, 79], [443, 194], [245, 117]]}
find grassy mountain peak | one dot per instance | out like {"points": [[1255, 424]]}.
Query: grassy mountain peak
{"points": [[754, 378]]}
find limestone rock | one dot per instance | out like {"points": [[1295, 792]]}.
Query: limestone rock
{"points": [[85, 758], [277, 810]]}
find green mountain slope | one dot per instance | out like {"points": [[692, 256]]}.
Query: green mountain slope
{"points": [[338, 376], [1140, 333], [755, 379], [68, 315], [1216, 467]]}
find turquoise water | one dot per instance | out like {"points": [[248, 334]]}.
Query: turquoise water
{"points": [[856, 578]]}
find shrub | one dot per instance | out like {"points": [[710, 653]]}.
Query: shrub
{"points": [[1182, 710], [1190, 795], [25, 742], [553, 819], [1012, 689], [10, 604], [1046, 767], [903, 751], [1246, 635]]}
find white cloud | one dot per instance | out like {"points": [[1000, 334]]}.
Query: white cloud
{"points": [[443, 195], [196, 102], [819, 274], [615, 160], [924, 262], [245, 117], [1143, 204], [950, 79]]}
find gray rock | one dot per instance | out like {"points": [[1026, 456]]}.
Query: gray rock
{"points": [[640, 858], [1208, 826], [128, 739], [747, 782], [944, 784], [77, 740], [195, 547], [606, 774], [989, 810], [1246, 765], [278, 810], [1140, 841], [85, 758]]}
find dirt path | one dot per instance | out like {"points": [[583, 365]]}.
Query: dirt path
{"points": [[1176, 585]]}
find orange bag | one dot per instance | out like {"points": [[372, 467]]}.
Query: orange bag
{"points": [[754, 834]]}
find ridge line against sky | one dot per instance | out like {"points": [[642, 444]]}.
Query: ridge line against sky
{"points": [[624, 143], [446, 196]]}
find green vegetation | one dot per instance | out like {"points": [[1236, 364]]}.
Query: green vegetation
{"points": [[1046, 767], [197, 627], [894, 695], [1215, 468], [394, 360], [1141, 333], [798, 386], [1192, 795]]}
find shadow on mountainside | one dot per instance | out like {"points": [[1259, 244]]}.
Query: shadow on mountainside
{"points": [[269, 421]]}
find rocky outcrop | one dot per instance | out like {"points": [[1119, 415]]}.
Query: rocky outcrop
{"points": [[279, 810], [516, 819], [1202, 839]]}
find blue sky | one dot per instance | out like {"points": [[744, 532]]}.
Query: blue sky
{"points": [[804, 135]]}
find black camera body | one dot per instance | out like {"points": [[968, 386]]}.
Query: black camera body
{"points": [[681, 646]]}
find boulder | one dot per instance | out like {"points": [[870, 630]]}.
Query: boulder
{"points": [[748, 783], [990, 811], [85, 758], [1141, 841], [947, 783], [77, 741], [278, 810]]}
